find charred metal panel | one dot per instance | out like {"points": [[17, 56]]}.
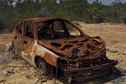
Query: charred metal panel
{"points": [[47, 55]]}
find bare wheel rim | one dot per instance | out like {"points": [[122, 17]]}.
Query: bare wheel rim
{"points": [[42, 65]]}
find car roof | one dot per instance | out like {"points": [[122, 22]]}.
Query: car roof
{"points": [[40, 19]]}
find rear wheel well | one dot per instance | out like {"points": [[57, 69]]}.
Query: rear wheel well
{"points": [[36, 59], [41, 64], [55, 71]]}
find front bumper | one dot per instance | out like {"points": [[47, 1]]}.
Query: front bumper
{"points": [[97, 67], [90, 72]]}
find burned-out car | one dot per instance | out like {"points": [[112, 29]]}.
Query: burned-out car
{"points": [[58, 46]]}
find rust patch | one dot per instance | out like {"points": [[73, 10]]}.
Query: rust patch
{"points": [[50, 59]]}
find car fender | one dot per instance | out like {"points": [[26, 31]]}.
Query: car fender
{"points": [[50, 57]]}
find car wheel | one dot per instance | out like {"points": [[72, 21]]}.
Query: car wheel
{"points": [[42, 65]]}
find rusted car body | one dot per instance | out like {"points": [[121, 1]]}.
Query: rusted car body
{"points": [[54, 42]]}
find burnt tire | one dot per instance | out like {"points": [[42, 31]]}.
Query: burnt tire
{"points": [[42, 65]]}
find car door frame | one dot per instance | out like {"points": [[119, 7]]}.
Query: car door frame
{"points": [[27, 51]]}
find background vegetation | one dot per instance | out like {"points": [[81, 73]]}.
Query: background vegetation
{"points": [[95, 12]]}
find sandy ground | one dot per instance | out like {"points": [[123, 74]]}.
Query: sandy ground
{"points": [[17, 71]]}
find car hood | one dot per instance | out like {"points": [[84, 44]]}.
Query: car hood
{"points": [[88, 47]]}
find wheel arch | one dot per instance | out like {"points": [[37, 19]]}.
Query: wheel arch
{"points": [[36, 58]]}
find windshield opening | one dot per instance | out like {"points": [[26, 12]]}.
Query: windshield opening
{"points": [[73, 31], [56, 29]]}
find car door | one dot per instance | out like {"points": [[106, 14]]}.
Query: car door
{"points": [[27, 40]]}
